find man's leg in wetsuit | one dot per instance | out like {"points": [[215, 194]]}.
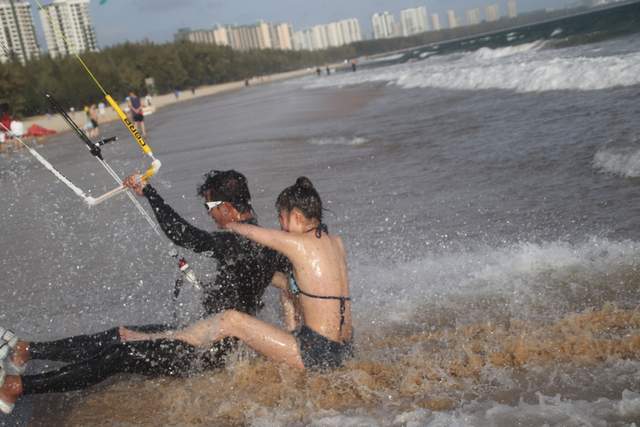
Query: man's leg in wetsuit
{"points": [[151, 358], [82, 347]]}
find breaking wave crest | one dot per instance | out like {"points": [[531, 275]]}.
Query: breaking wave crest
{"points": [[521, 69], [340, 140], [623, 163]]}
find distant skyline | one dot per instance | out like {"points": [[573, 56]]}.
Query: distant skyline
{"points": [[119, 21]]}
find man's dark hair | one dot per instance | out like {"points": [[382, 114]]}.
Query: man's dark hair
{"points": [[227, 186], [301, 195]]}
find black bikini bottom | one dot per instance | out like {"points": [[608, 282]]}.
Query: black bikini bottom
{"points": [[319, 352]]}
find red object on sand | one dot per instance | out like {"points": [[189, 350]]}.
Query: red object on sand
{"points": [[36, 130], [5, 119]]}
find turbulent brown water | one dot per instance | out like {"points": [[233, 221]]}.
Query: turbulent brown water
{"points": [[396, 371]]}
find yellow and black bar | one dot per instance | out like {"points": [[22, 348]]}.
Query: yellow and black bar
{"points": [[155, 166]]}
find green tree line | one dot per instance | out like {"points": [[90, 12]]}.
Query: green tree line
{"points": [[125, 67]]}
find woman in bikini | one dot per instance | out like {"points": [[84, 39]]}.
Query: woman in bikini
{"points": [[315, 295]]}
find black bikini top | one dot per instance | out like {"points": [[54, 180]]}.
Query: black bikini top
{"points": [[295, 290]]}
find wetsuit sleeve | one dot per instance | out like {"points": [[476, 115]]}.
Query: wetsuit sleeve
{"points": [[181, 232]]}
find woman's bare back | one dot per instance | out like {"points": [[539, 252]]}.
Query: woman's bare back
{"points": [[320, 269]]}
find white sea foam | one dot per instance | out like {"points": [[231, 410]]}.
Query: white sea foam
{"points": [[525, 275], [340, 140], [486, 54], [626, 164], [548, 410], [523, 68], [386, 58]]}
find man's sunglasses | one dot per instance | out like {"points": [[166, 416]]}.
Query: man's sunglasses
{"points": [[211, 205]]}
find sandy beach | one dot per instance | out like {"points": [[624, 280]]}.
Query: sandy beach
{"points": [[56, 123]]}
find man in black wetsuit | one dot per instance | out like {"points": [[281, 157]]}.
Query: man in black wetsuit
{"points": [[245, 270]]}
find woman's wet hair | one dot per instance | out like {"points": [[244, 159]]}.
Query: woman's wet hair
{"points": [[303, 196], [227, 186]]}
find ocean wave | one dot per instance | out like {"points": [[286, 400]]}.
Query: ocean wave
{"points": [[385, 58], [486, 53], [340, 140], [456, 345], [625, 164], [521, 69], [524, 280], [548, 410]]}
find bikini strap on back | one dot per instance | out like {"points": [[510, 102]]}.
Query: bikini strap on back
{"points": [[321, 228], [342, 300]]}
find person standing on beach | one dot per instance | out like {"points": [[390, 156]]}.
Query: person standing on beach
{"points": [[93, 117], [137, 112], [5, 119]]}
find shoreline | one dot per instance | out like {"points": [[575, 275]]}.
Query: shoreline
{"points": [[56, 123]]}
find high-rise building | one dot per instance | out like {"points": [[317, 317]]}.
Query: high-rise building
{"points": [[512, 8], [384, 25], [492, 12], [198, 36], [435, 20], [334, 35], [303, 40], [250, 37], [264, 35], [243, 37], [217, 36], [307, 39], [67, 27], [453, 19], [221, 36], [330, 35], [414, 21], [17, 32], [299, 41], [473, 16], [319, 37], [261, 35], [282, 36], [351, 31]]}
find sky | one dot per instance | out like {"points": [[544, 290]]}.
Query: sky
{"points": [[120, 20]]}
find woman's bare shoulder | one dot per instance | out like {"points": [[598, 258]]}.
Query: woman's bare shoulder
{"points": [[337, 240]]}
